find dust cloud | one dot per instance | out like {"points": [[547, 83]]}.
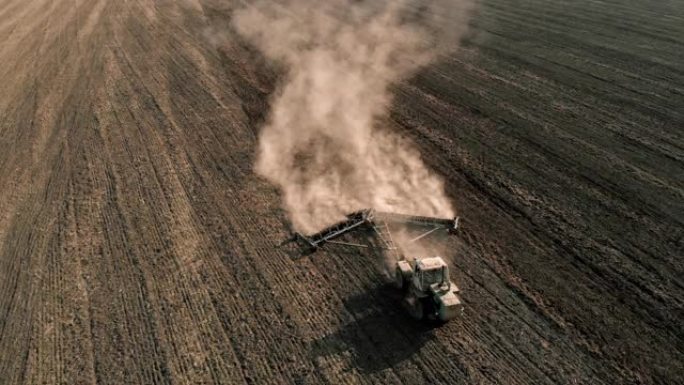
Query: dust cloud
{"points": [[325, 144]]}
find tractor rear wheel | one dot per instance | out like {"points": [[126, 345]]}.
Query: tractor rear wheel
{"points": [[415, 308], [430, 308], [399, 280]]}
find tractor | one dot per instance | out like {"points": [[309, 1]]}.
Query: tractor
{"points": [[428, 291]]}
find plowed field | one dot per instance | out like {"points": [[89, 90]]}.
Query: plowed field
{"points": [[137, 246]]}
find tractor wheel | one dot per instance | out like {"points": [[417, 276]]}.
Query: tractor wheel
{"points": [[399, 280], [430, 309], [416, 309]]}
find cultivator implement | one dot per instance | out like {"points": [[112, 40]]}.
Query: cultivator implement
{"points": [[437, 223], [353, 221], [378, 221]]}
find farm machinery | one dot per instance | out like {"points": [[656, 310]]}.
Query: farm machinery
{"points": [[428, 291]]}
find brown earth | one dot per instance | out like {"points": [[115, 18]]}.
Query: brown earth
{"points": [[138, 247]]}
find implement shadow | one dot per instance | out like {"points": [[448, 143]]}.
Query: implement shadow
{"points": [[381, 336]]}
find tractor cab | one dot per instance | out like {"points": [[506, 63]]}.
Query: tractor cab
{"points": [[431, 273]]}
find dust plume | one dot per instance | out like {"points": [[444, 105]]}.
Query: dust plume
{"points": [[325, 144]]}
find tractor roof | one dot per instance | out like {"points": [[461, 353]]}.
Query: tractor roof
{"points": [[431, 263]]}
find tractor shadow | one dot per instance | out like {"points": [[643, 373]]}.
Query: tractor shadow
{"points": [[381, 336]]}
